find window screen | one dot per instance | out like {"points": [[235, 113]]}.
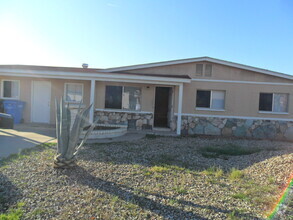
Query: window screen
{"points": [[218, 99], [280, 102], [266, 101], [131, 98], [208, 70], [199, 70], [203, 99], [73, 92], [113, 98], [10, 89]]}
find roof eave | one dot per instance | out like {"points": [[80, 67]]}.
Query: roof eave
{"points": [[93, 76], [201, 59]]}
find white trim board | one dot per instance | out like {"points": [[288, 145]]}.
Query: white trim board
{"points": [[201, 59], [244, 82], [121, 111], [95, 76], [236, 117], [272, 113], [153, 82]]}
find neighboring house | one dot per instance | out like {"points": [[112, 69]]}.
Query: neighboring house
{"points": [[191, 96]]}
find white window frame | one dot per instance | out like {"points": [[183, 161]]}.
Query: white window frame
{"points": [[273, 101], [122, 109], [211, 98], [65, 86], [2, 89]]}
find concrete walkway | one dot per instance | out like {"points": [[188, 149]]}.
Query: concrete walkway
{"points": [[24, 136], [29, 135], [128, 137]]}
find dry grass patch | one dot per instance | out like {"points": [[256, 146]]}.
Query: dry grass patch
{"points": [[236, 174]]}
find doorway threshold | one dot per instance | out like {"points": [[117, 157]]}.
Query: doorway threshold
{"points": [[162, 132], [161, 129]]}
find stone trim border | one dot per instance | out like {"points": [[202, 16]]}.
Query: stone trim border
{"points": [[235, 127], [235, 117], [133, 120]]}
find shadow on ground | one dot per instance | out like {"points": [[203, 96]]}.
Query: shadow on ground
{"points": [[9, 193], [123, 192]]}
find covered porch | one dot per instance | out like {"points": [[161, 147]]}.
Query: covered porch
{"points": [[142, 102]]}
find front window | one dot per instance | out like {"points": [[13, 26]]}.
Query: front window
{"points": [[73, 92], [210, 99], [273, 102], [123, 97], [113, 97], [10, 89]]}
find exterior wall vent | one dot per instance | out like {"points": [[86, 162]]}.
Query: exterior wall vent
{"points": [[85, 65]]}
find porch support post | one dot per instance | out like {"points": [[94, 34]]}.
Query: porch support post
{"points": [[180, 96], [92, 100]]}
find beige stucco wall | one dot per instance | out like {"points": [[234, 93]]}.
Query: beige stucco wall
{"points": [[220, 72], [240, 99], [57, 91]]}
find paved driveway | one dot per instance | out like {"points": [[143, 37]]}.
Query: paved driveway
{"points": [[24, 136]]}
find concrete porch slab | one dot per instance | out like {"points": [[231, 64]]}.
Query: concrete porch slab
{"points": [[133, 135]]}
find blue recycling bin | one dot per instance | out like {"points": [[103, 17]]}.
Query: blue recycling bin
{"points": [[14, 108]]}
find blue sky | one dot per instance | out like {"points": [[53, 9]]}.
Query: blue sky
{"points": [[116, 33]]}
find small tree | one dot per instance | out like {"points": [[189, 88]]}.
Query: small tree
{"points": [[68, 138]]}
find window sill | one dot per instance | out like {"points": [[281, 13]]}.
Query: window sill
{"points": [[74, 105], [274, 113], [72, 102], [14, 98], [121, 110], [210, 109]]}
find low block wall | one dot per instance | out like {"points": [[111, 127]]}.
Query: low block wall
{"points": [[135, 121], [248, 128]]}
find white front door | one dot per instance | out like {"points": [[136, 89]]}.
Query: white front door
{"points": [[41, 101]]}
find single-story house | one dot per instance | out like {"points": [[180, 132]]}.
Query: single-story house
{"points": [[190, 96]]}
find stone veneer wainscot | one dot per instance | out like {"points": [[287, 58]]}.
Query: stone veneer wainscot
{"points": [[248, 128], [134, 120]]}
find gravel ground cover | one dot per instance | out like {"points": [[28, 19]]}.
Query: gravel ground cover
{"points": [[151, 178]]}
